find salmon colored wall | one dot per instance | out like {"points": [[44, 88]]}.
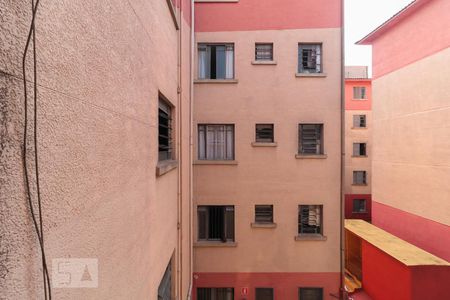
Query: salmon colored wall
{"points": [[285, 284], [421, 34], [384, 277], [429, 235], [349, 214], [352, 104], [248, 15]]}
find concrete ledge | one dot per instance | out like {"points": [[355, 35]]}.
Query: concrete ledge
{"points": [[359, 156], [312, 75], [165, 166], [258, 144], [359, 184], [263, 225], [264, 62], [218, 1], [219, 81], [310, 237], [314, 156], [214, 244], [358, 128], [216, 162]]}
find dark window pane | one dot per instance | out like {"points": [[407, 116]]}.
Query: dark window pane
{"points": [[220, 62], [311, 139], [311, 294], [310, 219], [264, 293], [359, 206], [310, 58], [359, 149], [165, 286], [264, 52], [264, 133], [216, 223], [164, 130], [215, 293], [264, 213], [202, 223]]}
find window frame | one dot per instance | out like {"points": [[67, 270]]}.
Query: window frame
{"points": [[164, 103], [363, 94], [260, 139], [358, 120], [361, 149], [215, 44], [359, 211], [301, 231], [320, 147], [319, 57], [264, 288], [215, 290], [259, 221], [271, 52], [166, 282], [355, 176], [225, 238], [310, 288], [233, 141]]}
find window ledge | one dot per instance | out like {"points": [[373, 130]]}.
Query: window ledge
{"points": [[310, 237], [218, 1], [216, 162], [359, 156], [359, 184], [358, 128], [212, 81], [263, 225], [360, 212], [263, 144], [264, 62], [311, 75], [363, 99], [165, 166], [314, 156], [207, 244]]}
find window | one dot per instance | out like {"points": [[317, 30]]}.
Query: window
{"points": [[264, 293], [310, 58], [359, 149], [359, 93], [164, 129], [310, 293], [311, 139], [359, 177], [216, 223], [359, 206], [165, 286], [264, 133], [215, 293], [215, 142], [263, 213], [263, 51], [216, 61], [359, 121], [310, 219]]}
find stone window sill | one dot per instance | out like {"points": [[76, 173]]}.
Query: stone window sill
{"points": [[359, 156], [214, 81], [359, 184], [264, 62], [310, 237], [214, 244], [166, 166], [365, 99], [315, 156], [263, 225], [216, 162], [357, 128], [311, 75], [259, 144], [218, 1]]}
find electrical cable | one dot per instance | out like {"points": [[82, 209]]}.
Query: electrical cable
{"points": [[38, 229]]}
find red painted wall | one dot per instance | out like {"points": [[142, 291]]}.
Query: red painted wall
{"points": [[352, 104], [267, 14], [285, 284], [429, 235], [430, 282], [384, 277], [349, 214]]}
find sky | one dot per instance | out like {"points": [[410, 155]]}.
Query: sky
{"points": [[361, 17]]}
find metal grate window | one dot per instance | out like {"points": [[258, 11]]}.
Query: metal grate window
{"points": [[264, 133], [264, 294], [263, 213], [165, 286], [359, 149], [264, 51], [215, 142], [164, 130], [359, 121], [216, 223], [359, 206], [310, 58], [359, 177], [310, 219], [310, 293], [215, 293], [216, 61], [310, 139], [359, 93]]}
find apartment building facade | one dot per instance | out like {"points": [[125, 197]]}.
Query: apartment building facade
{"points": [[114, 115], [409, 240], [358, 143], [267, 90]]}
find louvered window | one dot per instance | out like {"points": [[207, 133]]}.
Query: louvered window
{"points": [[310, 219], [264, 133], [359, 149], [215, 142], [359, 206], [359, 121], [310, 58], [216, 223], [264, 51], [164, 129], [216, 61], [311, 139], [263, 213], [264, 294], [359, 93], [309, 293], [359, 177], [215, 293], [165, 286]]}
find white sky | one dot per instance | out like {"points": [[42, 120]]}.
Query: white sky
{"points": [[361, 17]]}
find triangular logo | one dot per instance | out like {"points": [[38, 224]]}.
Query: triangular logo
{"points": [[86, 275]]}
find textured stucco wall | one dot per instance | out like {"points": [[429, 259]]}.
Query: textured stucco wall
{"points": [[100, 67]]}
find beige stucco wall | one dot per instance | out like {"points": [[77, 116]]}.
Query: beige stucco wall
{"points": [[411, 138], [272, 94], [357, 135], [100, 67]]}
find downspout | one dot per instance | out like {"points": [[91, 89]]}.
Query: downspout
{"points": [[180, 161]]}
